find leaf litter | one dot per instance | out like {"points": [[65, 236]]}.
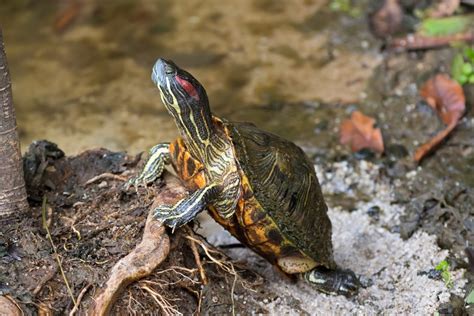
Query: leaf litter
{"points": [[447, 98], [360, 132]]}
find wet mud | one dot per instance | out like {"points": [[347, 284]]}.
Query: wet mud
{"points": [[87, 85]]}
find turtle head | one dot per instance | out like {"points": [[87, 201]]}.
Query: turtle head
{"points": [[180, 91]]}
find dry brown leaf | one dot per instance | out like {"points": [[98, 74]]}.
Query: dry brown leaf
{"points": [[387, 19], [359, 132], [444, 8], [446, 97]]}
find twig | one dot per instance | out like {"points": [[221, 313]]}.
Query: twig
{"points": [[197, 258], [419, 42], [164, 304], [106, 175], [79, 299], [45, 280], [228, 267], [45, 226]]}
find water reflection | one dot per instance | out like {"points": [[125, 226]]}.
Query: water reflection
{"points": [[81, 69]]}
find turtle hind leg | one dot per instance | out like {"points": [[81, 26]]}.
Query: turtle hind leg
{"points": [[335, 282], [159, 156]]}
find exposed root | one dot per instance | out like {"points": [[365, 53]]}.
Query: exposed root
{"points": [[79, 299], [152, 250], [226, 266], [8, 306], [106, 175], [166, 307], [56, 255], [197, 258]]}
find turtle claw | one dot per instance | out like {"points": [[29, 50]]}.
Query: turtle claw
{"points": [[135, 182], [174, 216], [168, 216]]}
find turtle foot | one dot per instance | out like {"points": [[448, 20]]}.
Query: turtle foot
{"points": [[335, 282]]}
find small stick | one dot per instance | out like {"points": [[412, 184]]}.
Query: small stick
{"points": [[197, 258], [229, 268], [79, 299], [418, 42], [56, 255]]}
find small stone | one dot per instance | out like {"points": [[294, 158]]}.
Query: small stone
{"points": [[103, 184], [374, 212], [432, 274]]}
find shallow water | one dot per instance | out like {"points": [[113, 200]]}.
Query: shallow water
{"points": [[85, 83]]}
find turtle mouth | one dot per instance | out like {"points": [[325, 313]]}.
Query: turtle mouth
{"points": [[161, 70]]}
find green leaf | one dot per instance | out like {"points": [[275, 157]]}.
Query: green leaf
{"points": [[445, 26], [463, 79], [446, 275], [456, 67], [442, 266], [470, 298], [467, 69], [345, 6], [469, 53], [471, 79]]}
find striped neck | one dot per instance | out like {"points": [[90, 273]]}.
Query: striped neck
{"points": [[197, 130]]}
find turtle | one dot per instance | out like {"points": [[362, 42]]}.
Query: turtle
{"points": [[260, 187]]}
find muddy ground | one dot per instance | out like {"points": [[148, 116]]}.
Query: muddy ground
{"points": [[393, 221], [92, 226]]}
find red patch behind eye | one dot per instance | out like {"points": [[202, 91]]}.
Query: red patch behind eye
{"points": [[188, 87]]}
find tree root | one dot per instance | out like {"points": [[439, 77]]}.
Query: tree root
{"points": [[8, 306], [152, 250]]}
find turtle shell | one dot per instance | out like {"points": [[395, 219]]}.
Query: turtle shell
{"points": [[284, 183]]}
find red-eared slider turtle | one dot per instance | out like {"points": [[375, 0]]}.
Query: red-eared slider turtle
{"points": [[260, 187]]}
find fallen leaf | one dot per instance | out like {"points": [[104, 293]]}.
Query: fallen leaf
{"points": [[447, 98], [387, 19], [360, 133], [444, 8]]}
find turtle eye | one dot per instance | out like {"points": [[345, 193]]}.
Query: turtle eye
{"points": [[188, 87], [169, 70]]}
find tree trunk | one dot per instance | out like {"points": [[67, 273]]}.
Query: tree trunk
{"points": [[12, 184]]}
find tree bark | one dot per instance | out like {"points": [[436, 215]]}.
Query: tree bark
{"points": [[12, 184]]}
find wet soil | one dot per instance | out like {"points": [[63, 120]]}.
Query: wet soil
{"points": [[86, 86], [92, 226]]}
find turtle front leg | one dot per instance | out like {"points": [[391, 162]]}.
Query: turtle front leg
{"points": [[159, 156], [336, 282], [186, 209]]}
